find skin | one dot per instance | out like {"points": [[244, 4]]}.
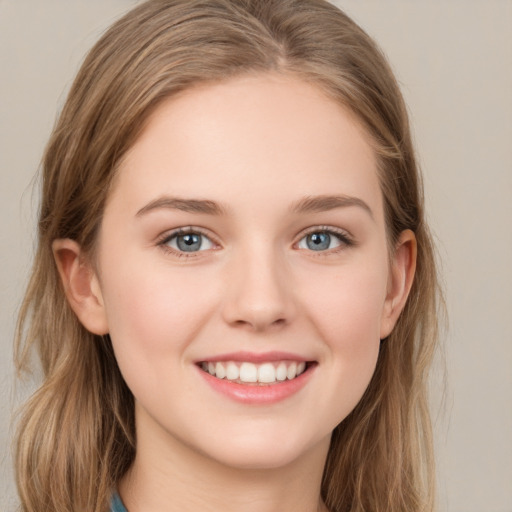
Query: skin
{"points": [[256, 146]]}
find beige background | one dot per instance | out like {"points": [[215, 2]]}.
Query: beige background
{"points": [[454, 61]]}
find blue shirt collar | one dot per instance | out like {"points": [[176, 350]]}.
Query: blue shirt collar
{"points": [[116, 505]]}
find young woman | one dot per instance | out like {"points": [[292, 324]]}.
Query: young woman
{"points": [[234, 295]]}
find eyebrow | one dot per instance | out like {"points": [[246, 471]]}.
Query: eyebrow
{"points": [[315, 204], [308, 204], [203, 206]]}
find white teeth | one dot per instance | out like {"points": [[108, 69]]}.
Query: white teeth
{"points": [[281, 372], [248, 372], [265, 373], [292, 371], [232, 371], [220, 371]]}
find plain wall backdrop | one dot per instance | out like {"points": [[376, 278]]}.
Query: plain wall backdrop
{"points": [[453, 59]]}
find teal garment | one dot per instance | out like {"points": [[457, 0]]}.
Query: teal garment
{"points": [[116, 505]]}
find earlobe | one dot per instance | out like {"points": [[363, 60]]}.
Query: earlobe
{"points": [[81, 285], [401, 277]]}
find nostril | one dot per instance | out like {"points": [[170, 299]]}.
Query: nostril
{"points": [[259, 322], [258, 307]]}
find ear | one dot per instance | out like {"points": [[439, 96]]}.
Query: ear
{"points": [[81, 285], [403, 267]]}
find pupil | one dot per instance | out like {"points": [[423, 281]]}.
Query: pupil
{"points": [[190, 239], [189, 242], [319, 241]]}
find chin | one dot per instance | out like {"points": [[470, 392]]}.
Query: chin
{"points": [[258, 453]]}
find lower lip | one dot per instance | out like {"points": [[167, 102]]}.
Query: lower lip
{"points": [[256, 393]]}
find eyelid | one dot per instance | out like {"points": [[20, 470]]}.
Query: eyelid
{"points": [[162, 240], [346, 239]]}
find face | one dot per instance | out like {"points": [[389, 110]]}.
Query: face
{"points": [[243, 270]]}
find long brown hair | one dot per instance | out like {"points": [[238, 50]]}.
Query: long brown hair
{"points": [[76, 435]]}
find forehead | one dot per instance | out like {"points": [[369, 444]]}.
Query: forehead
{"points": [[266, 135]]}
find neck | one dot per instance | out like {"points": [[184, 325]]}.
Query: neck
{"points": [[170, 476]]}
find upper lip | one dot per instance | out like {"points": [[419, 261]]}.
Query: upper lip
{"points": [[254, 357]]}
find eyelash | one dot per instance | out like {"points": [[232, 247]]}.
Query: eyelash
{"points": [[167, 237], [342, 236]]}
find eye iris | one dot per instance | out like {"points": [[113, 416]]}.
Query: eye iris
{"points": [[189, 242], [318, 241]]}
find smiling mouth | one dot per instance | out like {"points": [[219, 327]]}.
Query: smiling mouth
{"points": [[255, 374]]}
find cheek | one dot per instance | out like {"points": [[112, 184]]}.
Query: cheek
{"points": [[347, 316], [347, 306], [154, 314]]}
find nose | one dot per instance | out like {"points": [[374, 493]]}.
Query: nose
{"points": [[258, 292]]}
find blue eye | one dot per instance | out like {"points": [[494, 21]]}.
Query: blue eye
{"points": [[188, 242], [322, 241]]}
